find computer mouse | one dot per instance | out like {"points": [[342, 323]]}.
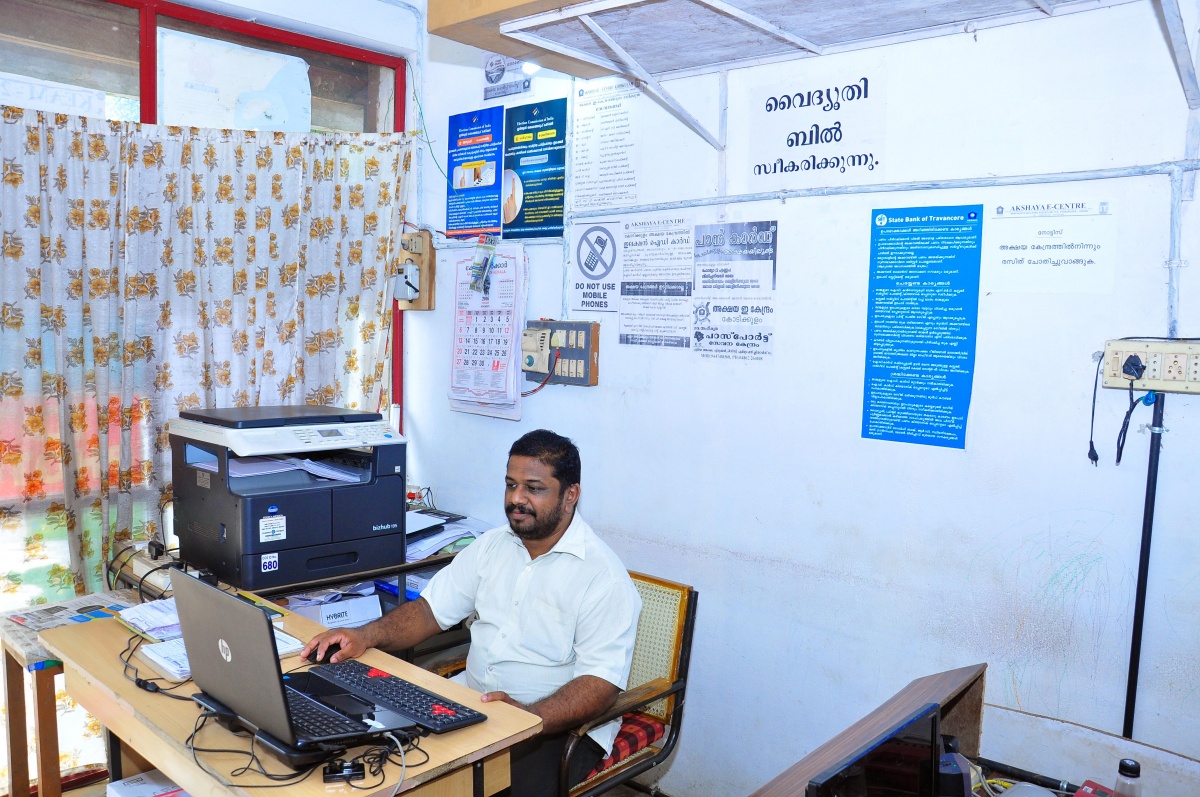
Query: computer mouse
{"points": [[334, 647]]}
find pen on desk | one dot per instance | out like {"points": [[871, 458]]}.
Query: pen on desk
{"points": [[43, 665]]}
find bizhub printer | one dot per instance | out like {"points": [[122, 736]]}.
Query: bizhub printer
{"points": [[273, 496]]}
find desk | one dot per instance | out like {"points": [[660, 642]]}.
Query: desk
{"points": [[469, 761]]}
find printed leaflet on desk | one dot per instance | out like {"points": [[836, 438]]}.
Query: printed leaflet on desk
{"points": [[170, 657], [157, 621]]}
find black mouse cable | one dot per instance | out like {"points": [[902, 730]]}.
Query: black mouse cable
{"points": [[149, 684]]}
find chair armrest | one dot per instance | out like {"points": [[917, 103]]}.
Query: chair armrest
{"points": [[628, 700]]}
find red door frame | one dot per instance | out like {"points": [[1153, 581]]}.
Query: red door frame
{"points": [[148, 13]]}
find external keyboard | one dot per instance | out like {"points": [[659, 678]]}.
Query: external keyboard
{"points": [[314, 721], [409, 700]]}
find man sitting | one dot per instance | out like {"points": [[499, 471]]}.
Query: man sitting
{"points": [[557, 615]]}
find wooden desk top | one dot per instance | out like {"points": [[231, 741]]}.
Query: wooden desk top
{"points": [[156, 726]]}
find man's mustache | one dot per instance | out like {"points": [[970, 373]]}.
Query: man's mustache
{"points": [[527, 510]]}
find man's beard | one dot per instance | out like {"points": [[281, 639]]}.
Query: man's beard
{"points": [[543, 525]]}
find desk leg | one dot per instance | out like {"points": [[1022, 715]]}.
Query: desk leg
{"points": [[45, 720], [477, 779], [18, 742], [123, 762]]}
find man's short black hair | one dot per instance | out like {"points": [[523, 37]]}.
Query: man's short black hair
{"points": [[550, 449]]}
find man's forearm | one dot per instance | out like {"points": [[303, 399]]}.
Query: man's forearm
{"points": [[575, 703], [407, 625]]}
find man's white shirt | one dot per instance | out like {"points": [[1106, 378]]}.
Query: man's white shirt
{"points": [[542, 622]]}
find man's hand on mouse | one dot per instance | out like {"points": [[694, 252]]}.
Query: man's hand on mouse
{"points": [[352, 645]]}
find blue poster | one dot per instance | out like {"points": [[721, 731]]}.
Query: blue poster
{"points": [[922, 311], [473, 199], [535, 169]]}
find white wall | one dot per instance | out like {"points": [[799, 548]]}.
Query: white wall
{"points": [[832, 569]]}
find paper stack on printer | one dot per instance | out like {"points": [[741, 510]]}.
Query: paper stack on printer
{"points": [[424, 541], [260, 466]]}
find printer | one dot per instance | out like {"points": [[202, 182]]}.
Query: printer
{"points": [[274, 496]]}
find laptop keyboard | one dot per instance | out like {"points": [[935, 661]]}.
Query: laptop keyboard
{"points": [[312, 720], [409, 700]]}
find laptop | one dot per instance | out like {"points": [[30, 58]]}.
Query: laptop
{"points": [[300, 717]]}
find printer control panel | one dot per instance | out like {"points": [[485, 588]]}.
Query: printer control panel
{"points": [[343, 435]]}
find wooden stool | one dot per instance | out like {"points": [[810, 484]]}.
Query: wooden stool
{"points": [[45, 720]]}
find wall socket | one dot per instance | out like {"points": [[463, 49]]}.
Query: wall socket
{"points": [[416, 249], [570, 348], [1172, 366]]}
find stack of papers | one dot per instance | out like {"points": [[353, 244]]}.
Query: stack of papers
{"points": [[261, 466], [318, 597], [157, 621], [426, 546], [170, 657]]}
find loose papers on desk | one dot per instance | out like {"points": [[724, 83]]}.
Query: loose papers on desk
{"points": [[485, 372], [170, 657], [454, 531], [21, 629], [75, 610], [157, 621]]}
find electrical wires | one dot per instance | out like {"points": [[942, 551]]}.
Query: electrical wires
{"points": [[1147, 399], [112, 574], [130, 671], [253, 763], [374, 759], [1092, 455], [544, 382]]}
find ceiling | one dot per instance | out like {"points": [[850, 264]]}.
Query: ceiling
{"points": [[667, 37], [649, 40]]}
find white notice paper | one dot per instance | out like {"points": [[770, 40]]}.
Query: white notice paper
{"points": [[1039, 243], [734, 294], [594, 275], [816, 123], [605, 153], [657, 280]]}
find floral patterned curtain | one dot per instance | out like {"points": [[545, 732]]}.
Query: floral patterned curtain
{"points": [[148, 269]]}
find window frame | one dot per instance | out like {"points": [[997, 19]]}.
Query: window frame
{"points": [[150, 10], [148, 13]]}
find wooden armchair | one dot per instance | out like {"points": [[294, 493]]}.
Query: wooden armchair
{"points": [[652, 705]]}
